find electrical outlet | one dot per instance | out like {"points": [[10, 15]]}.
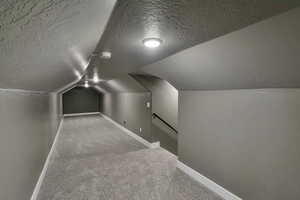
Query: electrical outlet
{"points": [[141, 130], [148, 104]]}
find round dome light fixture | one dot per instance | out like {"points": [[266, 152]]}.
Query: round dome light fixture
{"points": [[152, 42], [106, 55], [86, 84], [96, 79]]}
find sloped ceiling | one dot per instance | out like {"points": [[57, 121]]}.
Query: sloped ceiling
{"points": [[46, 44], [179, 23], [123, 84], [263, 55], [152, 82]]}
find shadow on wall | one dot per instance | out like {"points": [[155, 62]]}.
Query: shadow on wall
{"points": [[133, 103], [164, 99], [167, 139], [130, 110]]}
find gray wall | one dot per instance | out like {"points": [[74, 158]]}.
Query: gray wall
{"points": [[55, 112], [164, 98], [245, 140], [166, 138], [28, 124], [129, 107], [80, 100]]}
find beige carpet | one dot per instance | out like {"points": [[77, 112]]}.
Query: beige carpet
{"points": [[95, 160]]}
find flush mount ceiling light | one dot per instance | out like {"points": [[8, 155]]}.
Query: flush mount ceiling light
{"points": [[86, 84], [96, 79], [105, 55], [152, 42]]}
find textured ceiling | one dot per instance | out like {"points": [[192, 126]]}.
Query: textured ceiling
{"points": [[125, 83], [263, 55], [179, 23], [45, 44]]}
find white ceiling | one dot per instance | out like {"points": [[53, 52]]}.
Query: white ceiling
{"points": [[125, 83], [263, 55], [46, 44], [180, 24]]}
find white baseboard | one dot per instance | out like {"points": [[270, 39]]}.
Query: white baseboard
{"points": [[186, 169], [132, 134], [81, 114], [207, 182], [43, 173]]}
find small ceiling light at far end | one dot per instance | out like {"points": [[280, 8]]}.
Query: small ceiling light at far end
{"points": [[105, 55], [152, 42], [86, 84], [96, 79]]}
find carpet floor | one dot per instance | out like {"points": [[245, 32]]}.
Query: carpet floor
{"points": [[95, 160]]}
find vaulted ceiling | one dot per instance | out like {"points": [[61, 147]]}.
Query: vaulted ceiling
{"points": [[48, 44], [122, 84], [263, 55], [179, 23]]}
